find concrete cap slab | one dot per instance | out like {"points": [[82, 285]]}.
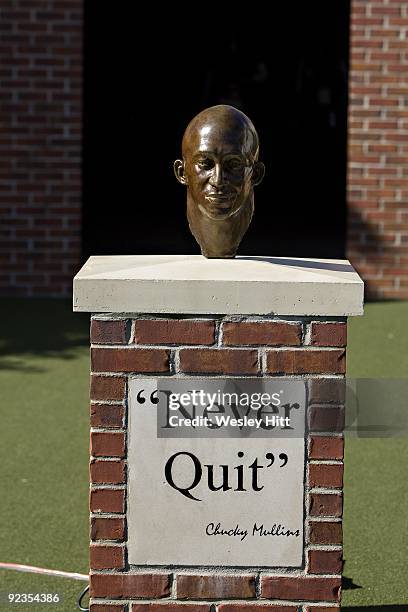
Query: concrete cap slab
{"points": [[192, 284]]}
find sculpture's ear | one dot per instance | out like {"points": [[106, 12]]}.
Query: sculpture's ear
{"points": [[179, 171], [258, 173]]}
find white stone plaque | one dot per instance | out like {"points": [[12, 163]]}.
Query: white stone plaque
{"points": [[226, 492]]}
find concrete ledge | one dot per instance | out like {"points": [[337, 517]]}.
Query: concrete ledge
{"points": [[192, 284]]}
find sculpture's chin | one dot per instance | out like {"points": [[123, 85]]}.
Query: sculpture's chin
{"points": [[219, 213]]}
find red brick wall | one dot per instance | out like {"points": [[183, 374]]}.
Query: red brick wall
{"points": [[378, 146], [190, 346], [40, 145]]}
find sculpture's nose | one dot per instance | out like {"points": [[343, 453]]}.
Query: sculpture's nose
{"points": [[217, 176]]}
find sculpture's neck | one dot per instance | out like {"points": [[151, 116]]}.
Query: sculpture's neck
{"points": [[219, 238]]}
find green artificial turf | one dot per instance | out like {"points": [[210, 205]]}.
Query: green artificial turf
{"points": [[17, 582], [378, 341], [44, 379], [44, 456], [376, 471]]}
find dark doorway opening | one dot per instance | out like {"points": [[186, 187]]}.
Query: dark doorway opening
{"points": [[286, 69]]}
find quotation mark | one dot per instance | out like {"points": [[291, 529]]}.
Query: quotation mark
{"points": [[153, 397], [283, 457]]}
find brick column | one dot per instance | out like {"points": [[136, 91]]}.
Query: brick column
{"points": [[40, 146], [219, 345], [377, 242], [171, 344]]}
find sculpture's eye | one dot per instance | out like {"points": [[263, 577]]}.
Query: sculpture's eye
{"points": [[234, 165], [205, 163]]}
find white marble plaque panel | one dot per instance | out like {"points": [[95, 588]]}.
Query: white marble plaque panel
{"points": [[236, 500]]}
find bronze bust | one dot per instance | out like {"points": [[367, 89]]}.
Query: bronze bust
{"points": [[220, 168]]}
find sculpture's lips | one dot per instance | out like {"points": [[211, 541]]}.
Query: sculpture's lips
{"points": [[218, 198]]}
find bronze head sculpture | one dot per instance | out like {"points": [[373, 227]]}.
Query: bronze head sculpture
{"points": [[220, 168]]}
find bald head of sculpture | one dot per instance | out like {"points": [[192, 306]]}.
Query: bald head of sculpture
{"points": [[220, 168], [220, 161]]}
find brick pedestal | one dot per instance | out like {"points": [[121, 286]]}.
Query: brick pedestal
{"points": [[186, 345]]}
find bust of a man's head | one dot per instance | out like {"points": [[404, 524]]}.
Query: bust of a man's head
{"points": [[220, 168]]}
